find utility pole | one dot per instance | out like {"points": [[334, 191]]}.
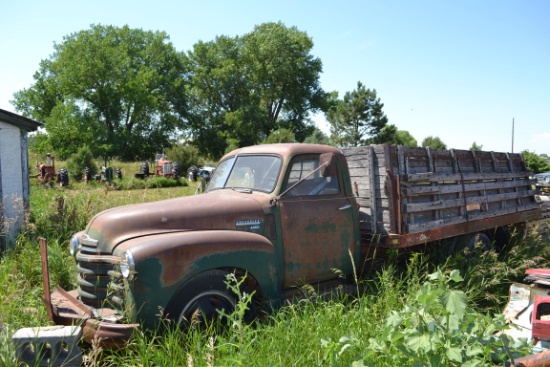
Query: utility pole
{"points": [[512, 135]]}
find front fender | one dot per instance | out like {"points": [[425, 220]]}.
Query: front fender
{"points": [[164, 262]]}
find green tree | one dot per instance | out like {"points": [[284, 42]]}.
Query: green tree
{"points": [[535, 163], [475, 146], [390, 134], [242, 88], [79, 161], [185, 155], [357, 118], [119, 88], [280, 136], [318, 137], [433, 142], [405, 138]]}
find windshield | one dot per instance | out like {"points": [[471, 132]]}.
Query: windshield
{"points": [[255, 172]]}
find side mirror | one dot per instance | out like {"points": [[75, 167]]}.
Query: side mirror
{"points": [[327, 162]]}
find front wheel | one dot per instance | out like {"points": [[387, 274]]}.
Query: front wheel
{"points": [[202, 300]]}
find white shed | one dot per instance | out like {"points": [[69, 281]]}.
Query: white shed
{"points": [[14, 173]]}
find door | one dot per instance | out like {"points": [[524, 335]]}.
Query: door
{"points": [[317, 224]]}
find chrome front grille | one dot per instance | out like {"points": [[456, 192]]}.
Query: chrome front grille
{"points": [[100, 283]]}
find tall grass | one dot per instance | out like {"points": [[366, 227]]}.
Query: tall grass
{"points": [[404, 306]]}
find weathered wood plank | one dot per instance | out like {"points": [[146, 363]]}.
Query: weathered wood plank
{"points": [[454, 188], [450, 203], [436, 177]]}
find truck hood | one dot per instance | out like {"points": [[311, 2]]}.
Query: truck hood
{"points": [[221, 210]]}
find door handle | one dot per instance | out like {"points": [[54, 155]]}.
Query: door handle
{"points": [[347, 206]]}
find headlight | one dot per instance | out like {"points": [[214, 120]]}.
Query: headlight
{"points": [[127, 265], [73, 245]]}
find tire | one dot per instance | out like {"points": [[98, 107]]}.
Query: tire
{"points": [[479, 239], [176, 170], [144, 169], [63, 177], [201, 299], [87, 174], [192, 173]]}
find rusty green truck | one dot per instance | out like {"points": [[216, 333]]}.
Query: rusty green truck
{"points": [[284, 215]]}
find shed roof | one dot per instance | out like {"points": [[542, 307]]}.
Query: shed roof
{"points": [[19, 121]]}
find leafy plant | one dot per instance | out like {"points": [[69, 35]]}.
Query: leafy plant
{"points": [[436, 328], [79, 161]]}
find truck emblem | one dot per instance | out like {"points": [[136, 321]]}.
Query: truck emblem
{"points": [[251, 223]]}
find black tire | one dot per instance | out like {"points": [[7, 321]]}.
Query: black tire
{"points": [[479, 239], [63, 177], [201, 299], [118, 173], [176, 170], [87, 174], [192, 173], [144, 169]]}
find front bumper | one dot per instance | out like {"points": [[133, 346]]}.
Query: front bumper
{"points": [[64, 308]]}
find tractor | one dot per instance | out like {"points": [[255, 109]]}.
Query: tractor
{"points": [[46, 172], [164, 168]]}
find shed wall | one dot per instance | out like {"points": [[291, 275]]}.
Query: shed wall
{"points": [[12, 176]]}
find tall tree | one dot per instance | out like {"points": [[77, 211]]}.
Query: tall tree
{"points": [[242, 88], [357, 118], [433, 142], [125, 86]]}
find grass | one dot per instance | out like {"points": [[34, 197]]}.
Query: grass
{"points": [[404, 317]]}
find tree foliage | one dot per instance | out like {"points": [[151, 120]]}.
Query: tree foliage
{"points": [[119, 90], [390, 134], [535, 163], [242, 88], [185, 155], [79, 161], [281, 135], [318, 137], [357, 118], [403, 137], [475, 146], [433, 142]]}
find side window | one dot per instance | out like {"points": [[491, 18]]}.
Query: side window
{"points": [[312, 183]]}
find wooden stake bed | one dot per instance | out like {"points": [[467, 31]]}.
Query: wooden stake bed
{"points": [[411, 195]]}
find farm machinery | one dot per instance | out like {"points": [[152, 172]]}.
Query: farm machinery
{"points": [[163, 167], [47, 173]]}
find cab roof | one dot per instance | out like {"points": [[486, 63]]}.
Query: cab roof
{"points": [[285, 149]]}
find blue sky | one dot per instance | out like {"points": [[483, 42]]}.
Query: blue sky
{"points": [[460, 70]]}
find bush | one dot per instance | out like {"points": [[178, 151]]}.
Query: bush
{"points": [[185, 155], [79, 161]]}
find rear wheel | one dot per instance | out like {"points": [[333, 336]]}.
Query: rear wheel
{"points": [[63, 177], [87, 174], [192, 173], [144, 169], [479, 239], [176, 170]]}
